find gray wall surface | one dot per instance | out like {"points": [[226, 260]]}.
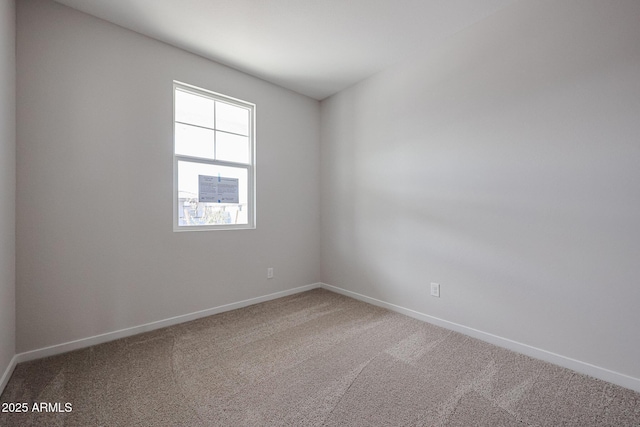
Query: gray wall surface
{"points": [[505, 166], [95, 248], [7, 181]]}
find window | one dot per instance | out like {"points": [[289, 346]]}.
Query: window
{"points": [[213, 161]]}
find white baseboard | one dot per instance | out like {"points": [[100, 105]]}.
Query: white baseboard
{"points": [[566, 362], [537, 353], [7, 373], [122, 333]]}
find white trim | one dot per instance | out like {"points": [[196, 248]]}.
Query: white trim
{"points": [[537, 353], [7, 373], [127, 332]]}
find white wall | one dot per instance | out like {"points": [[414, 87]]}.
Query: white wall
{"points": [[505, 166], [502, 165], [95, 248], [7, 182]]}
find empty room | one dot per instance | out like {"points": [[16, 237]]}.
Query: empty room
{"points": [[319, 213]]}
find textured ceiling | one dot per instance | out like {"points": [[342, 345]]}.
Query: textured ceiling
{"points": [[314, 47]]}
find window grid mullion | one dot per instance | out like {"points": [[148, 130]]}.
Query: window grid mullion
{"points": [[213, 129]]}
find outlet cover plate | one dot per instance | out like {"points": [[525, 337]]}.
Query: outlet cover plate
{"points": [[435, 290]]}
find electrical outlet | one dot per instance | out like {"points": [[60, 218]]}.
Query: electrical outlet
{"points": [[270, 273], [435, 290]]}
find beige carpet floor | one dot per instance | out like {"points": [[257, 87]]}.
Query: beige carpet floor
{"points": [[311, 359]]}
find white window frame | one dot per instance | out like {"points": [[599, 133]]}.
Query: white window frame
{"points": [[249, 167]]}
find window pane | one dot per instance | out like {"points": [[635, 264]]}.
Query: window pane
{"points": [[194, 141], [230, 118], [194, 109], [212, 130], [232, 148], [191, 212]]}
